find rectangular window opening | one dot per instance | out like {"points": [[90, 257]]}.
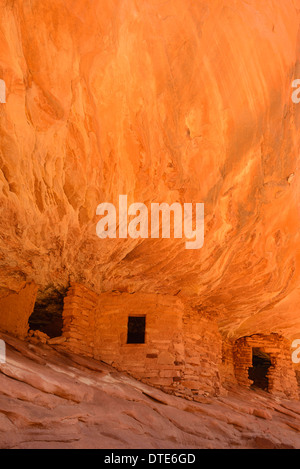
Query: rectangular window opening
{"points": [[136, 330]]}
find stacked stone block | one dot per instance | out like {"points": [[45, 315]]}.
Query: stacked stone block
{"points": [[79, 319]]}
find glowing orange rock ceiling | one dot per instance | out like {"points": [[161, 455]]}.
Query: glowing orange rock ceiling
{"points": [[165, 101]]}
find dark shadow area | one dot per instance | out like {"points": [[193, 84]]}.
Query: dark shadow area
{"points": [[261, 363], [136, 330], [47, 315]]}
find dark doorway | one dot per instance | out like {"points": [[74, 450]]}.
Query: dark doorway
{"points": [[136, 330], [261, 363], [47, 315]]}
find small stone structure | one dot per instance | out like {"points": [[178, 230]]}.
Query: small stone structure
{"points": [[159, 340], [181, 352], [280, 377]]}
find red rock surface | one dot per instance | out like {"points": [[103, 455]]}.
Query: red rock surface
{"points": [[53, 399], [164, 101]]}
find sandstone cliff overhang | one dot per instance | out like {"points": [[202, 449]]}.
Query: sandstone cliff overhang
{"points": [[179, 101]]}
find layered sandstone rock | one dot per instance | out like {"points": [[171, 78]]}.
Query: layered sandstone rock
{"points": [[53, 399]]}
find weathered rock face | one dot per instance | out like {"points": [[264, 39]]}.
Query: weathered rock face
{"points": [[176, 101]]}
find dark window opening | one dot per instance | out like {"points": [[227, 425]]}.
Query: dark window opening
{"points": [[136, 330], [47, 315], [261, 363]]}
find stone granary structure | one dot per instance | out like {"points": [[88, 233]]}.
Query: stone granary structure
{"points": [[158, 340], [166, 102]]}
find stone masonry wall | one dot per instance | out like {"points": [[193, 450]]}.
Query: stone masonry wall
{"points": [[158, 361], [79, 319], [227, 370], [281, 375], [182, 349], [203, 353]]}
